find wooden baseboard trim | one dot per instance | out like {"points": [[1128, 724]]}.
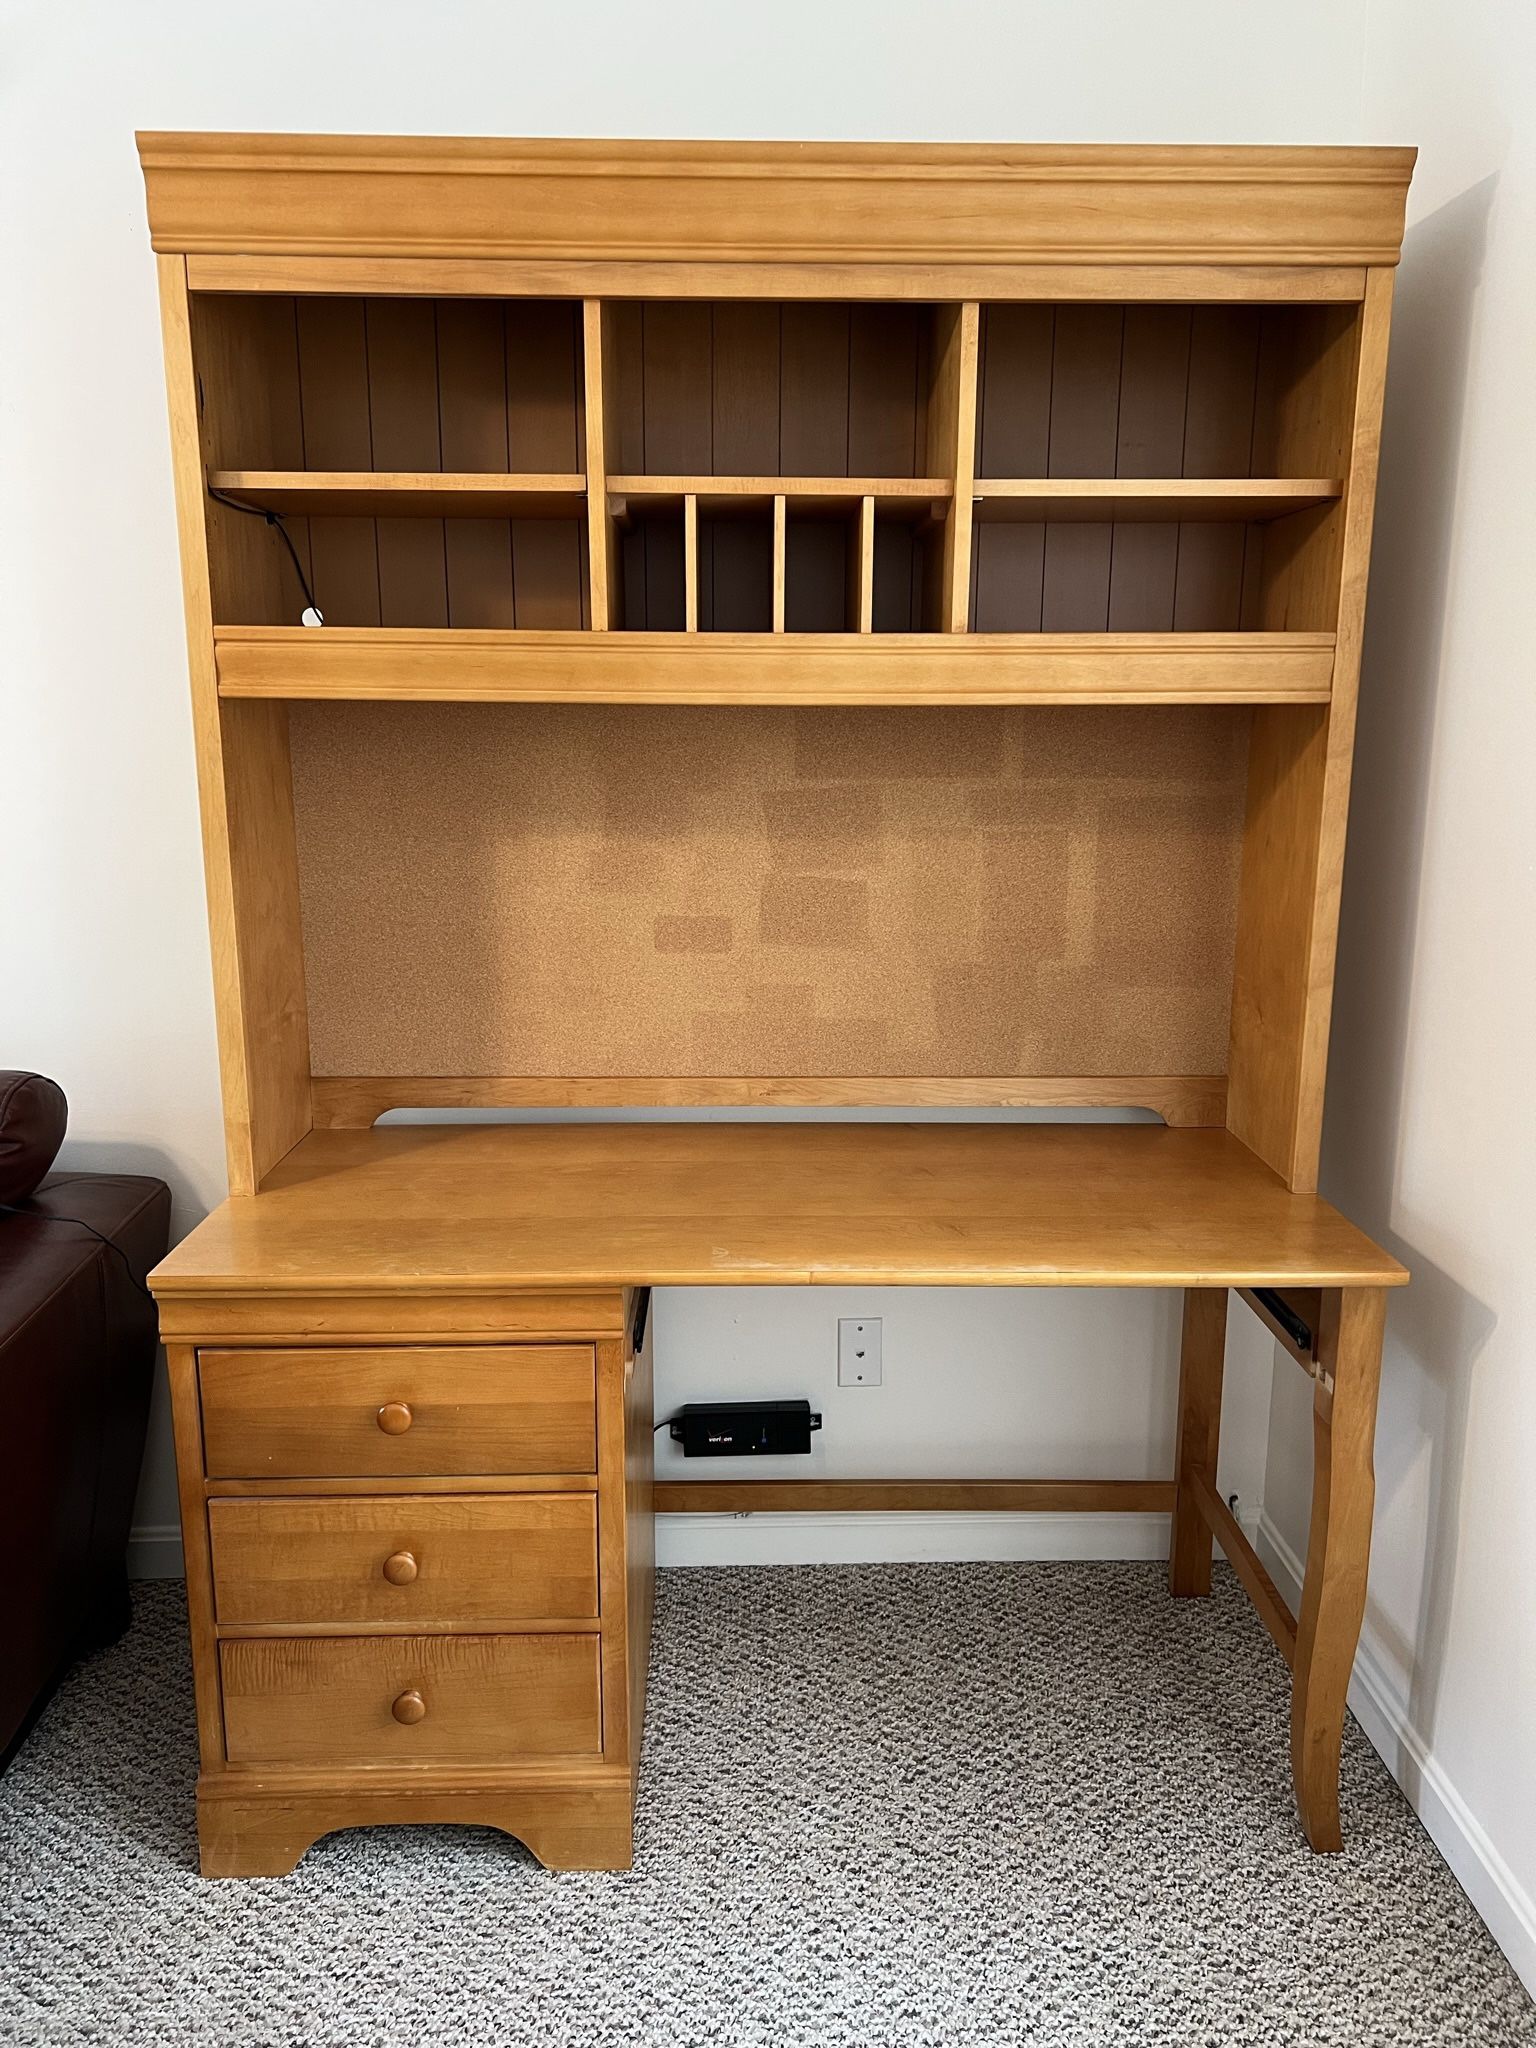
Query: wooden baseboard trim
{"points": [[912, 1496], [1248, 1565]]}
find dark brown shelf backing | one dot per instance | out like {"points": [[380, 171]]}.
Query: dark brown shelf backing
{"points": [[751, 388], [392, 383], [821, 558], [464, 573], [822, 568], [736, 573], [1073, 576], [735, 592], [1141, 390]]}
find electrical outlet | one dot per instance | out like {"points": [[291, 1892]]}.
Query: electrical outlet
{"points": [[858, 1351]]}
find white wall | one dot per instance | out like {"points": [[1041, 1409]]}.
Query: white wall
{"points": [[1430, 1129], [979, 1383], [103, 959], [105, 971]]}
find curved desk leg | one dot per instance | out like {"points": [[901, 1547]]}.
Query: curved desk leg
{"points": [[1200, 1370], [1338, 1549]]}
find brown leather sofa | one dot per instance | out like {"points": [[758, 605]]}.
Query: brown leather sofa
{"points": [[77, 1352]]}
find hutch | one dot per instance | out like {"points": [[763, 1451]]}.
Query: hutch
{"points": [[803, 624]]}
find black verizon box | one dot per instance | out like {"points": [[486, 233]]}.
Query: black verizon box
{"points": [[744, 1429]]}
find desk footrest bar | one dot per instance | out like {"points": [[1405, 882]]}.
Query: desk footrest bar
{"points": [[1244, 1560], [913, 1496]]}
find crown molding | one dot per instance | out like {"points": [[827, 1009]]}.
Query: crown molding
{"points": [[767, 203]]}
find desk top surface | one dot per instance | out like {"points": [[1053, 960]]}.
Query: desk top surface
{"points": [[433, 1208]]}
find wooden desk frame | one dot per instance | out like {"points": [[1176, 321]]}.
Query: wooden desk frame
{"points": [[1125, 406], [252, 1824]]}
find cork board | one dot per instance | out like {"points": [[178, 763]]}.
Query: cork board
{"points": [[562, 890]]}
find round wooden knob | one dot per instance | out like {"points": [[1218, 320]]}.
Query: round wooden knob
{"points": [[409, 1709], [395, 1418], [400, 1569]]}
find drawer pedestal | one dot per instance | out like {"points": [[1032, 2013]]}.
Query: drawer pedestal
{"points": [[419, 1574]]}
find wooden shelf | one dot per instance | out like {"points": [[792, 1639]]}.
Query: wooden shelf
{"points": [[1031, 1205], [915, 496], [402, 494], [1237, 498], [427, 665]]}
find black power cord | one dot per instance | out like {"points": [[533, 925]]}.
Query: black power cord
{"points": [[40, 1216], [260, 512]]}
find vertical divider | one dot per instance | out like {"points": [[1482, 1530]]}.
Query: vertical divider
{"points": [[601, 386], [691, 562], [780, 550], [952, 451], [865, 584]]}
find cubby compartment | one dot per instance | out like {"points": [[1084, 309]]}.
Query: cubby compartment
{"points": [[863, 567], [425, 455], [393, 571], [687, 568], [1160, 469], [908, 557], [822, 569], [415, 385], [1205, 391], [652, 570], [734, 563], [736, 570], [1127, 577], [767, 468], [761, 389]]}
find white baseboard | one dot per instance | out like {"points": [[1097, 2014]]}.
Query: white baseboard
{"points": [[1377, 1703], [154, 1552], [894, 1538]]}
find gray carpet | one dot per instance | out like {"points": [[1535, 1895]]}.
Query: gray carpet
{"points": [[911, 1805]]}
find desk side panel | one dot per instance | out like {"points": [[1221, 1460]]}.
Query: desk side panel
{"points": [[1298, 799], [246, 798]]}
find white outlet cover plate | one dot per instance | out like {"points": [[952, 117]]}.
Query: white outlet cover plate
{"points": [[859, 1362]]}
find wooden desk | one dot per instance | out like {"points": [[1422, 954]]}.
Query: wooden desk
{"points": [[468, 1278], [438, 1208], [829, 625]]}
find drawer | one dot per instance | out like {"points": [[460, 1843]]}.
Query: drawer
{"points": [[398, 1412], [476, 1558], [410, 1699]]}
